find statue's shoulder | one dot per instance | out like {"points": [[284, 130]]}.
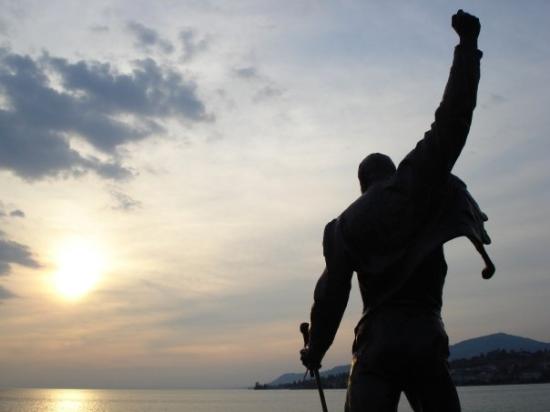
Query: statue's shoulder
{"points": [[364, 209], [456, 183], [378, 216]]}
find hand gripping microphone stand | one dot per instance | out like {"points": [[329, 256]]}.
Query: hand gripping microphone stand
{"points": [[304, 328]]}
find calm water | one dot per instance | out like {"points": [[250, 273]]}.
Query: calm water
{"points": [[528, 398]]}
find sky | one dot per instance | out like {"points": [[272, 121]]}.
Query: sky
{"points": [[167, 169]]}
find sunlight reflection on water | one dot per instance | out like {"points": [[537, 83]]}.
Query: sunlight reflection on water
{"points": [[69, 400], [532, 398]]}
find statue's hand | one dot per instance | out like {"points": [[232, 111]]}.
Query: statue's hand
{"points": [[310, 359], [466, 26]]}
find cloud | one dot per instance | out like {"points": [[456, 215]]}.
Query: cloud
{"points": [[13, 252], [51, 103], [13, 213], [267, 92], [191, 44], [5, 293], [147, 38], [249, 72], [123, 201], [17, 213]]}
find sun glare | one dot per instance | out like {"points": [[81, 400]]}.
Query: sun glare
{"points": [[79, 266]]}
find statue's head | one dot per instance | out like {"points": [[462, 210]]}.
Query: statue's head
{"points": [[373, 168]]}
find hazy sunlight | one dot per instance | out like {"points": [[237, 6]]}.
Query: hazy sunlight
{"points": [[79, 266]]}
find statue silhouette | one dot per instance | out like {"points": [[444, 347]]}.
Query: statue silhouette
{"points": [[392, 236]]}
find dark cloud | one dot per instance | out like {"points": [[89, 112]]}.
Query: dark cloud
{"points": [[13, 252], [247, 72], [267, 92], [148, 39], [123, 201], [4, 293], [191, 44], [13, 213], [17, 213], [51, 100]]}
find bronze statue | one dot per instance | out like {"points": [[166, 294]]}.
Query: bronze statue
{"points": [[392, 236]]}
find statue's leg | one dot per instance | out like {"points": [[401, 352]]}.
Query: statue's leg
{"points": [[434, 393], [370, 392]]}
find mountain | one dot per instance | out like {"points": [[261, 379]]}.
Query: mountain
{"points": [[292, 377], [483, 344], [461, 350]]}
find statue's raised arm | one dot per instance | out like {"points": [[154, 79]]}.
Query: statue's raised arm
{"points": [[429, 164]]}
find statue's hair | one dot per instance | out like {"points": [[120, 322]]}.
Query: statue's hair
{"points": [[376, 166]]}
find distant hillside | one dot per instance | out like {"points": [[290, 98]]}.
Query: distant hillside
{"points": [[292, 377], [461, 350], [498, 367], [476, 346]]}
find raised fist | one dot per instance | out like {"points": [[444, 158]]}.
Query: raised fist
{"points": [[466, 26]]}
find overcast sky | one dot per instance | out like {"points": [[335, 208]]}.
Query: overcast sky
{"points": [[199, 148]]}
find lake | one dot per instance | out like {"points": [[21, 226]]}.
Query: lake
{"points": [[512, 398]]}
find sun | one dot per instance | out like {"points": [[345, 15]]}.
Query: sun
{"points": [[80, 265]]}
